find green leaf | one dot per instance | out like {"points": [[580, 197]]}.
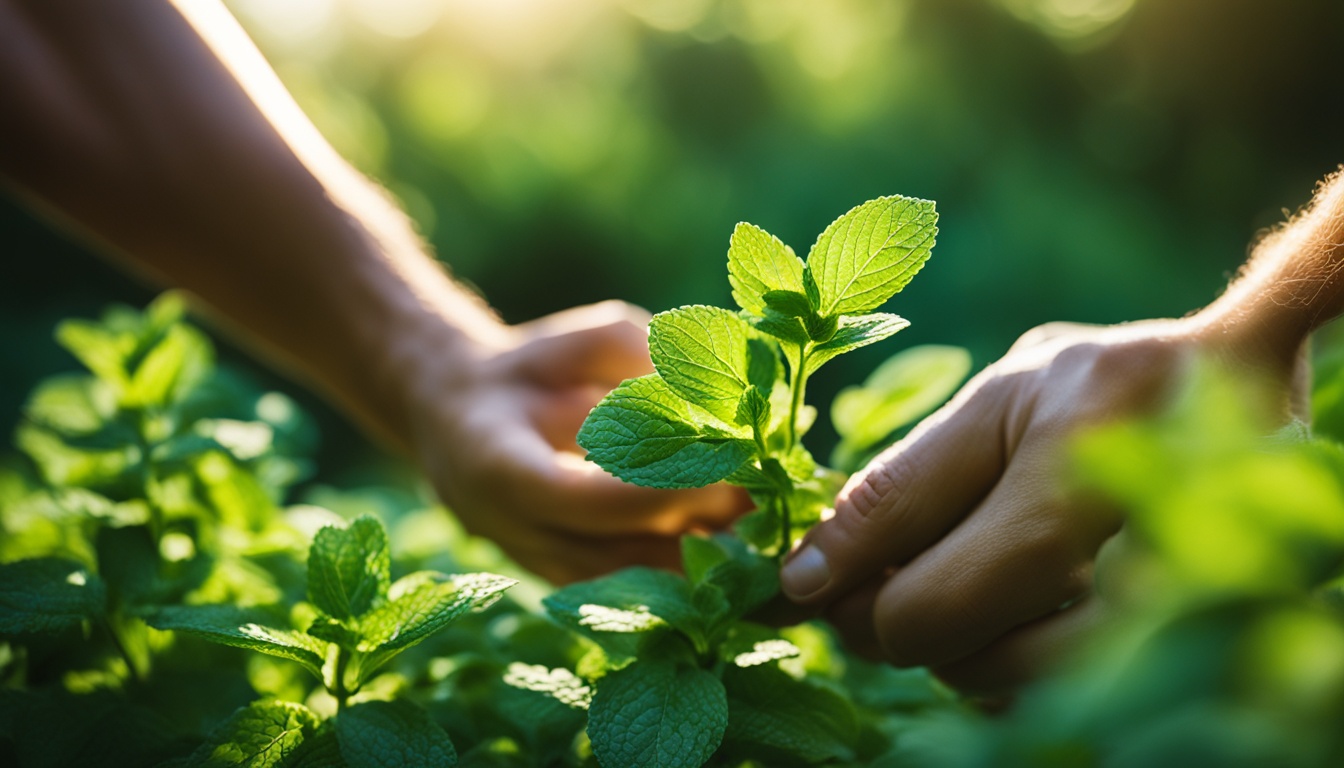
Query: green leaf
{"points": [[854, 332], [47, 595], [747, 578], [699, 554], [645, 434], [392, 734], [775, 718], [701, 352], [560, 684], [261, 735], [100, 350], [790, 303], [172, 367], [821, 329], [657, 714], [227, 625], [759, 263], [348, 568], [753, 409], [760, 529], [420, 605], [764, 368], [751, 645], [901, 390], [810, 288], [72, 405], [637, 590], [870, 253], [781, 327]]}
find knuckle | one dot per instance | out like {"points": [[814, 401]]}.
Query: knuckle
{"points": [[873, 494], [904, 633]]}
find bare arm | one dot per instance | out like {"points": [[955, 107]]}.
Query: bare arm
{"points": [[187, 156], [959, 548], [158, 129]]}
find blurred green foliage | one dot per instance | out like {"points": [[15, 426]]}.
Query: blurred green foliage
{"points": [[1094, 160], [157, 493]]}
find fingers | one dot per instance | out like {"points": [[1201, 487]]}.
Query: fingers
{"points": [[600, 343], [1020, 556], [1025, 653], [906, 499], [601, 504]]}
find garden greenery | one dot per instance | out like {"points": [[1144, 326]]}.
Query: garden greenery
{"points": [[175, 592]]}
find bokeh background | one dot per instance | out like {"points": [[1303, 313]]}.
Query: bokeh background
{"points": [[1093, 160]]}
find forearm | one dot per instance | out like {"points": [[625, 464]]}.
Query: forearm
{"points": [[166, 136], [1292, 285]]}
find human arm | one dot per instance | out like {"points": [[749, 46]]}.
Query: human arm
{"points": [[960, 548], [159, 131]]}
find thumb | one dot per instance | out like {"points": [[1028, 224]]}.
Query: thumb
{"points": [[904, 501], [604, 343]]}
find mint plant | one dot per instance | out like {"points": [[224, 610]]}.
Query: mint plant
{"points": [[157, 478], [683, 676], [727, 401], [363, 620]]}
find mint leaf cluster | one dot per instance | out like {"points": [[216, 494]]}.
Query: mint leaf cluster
{"points": [[683, 674], [363, 620], [727, 400], [680, 675], [156, 479]]}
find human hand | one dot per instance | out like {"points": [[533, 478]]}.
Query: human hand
{"points": [[495, 432], [961, 548]]}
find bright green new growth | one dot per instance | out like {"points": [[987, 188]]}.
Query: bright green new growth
{"points": [[727, 401], [364, 620]]}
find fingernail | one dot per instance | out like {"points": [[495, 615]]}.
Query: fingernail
{"points": [[805, 573]]}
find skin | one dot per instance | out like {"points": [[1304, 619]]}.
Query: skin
{"points": [[158, 131], [962, 548]]}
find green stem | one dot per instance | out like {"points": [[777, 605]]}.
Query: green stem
{"points": [[338, 683], [797, 385], [117, 643], [787, 526]]}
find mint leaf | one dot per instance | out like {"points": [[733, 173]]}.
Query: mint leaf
{"points": [[348, 568], [657, 714], [790, 303], [752, 645], [392, 734], [420, 605], [172, 367], [759, 263], [853, 332], [870, 253], [747, 578], [637, 590], [701, 352], [264, 734], [764, 368], [775, 718], [227, 625], [907, 386], [560, 684], [101, 351], [699, 554], [646, 434], [47, 594], [753, 409], [73, 405], [781, 326]]}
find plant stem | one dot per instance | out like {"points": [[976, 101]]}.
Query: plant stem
{"points": [[117, 643], [786, 525], [797, 384], [338, 690]]}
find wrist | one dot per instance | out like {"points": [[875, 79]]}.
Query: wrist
{"points": [[429, 352]]}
